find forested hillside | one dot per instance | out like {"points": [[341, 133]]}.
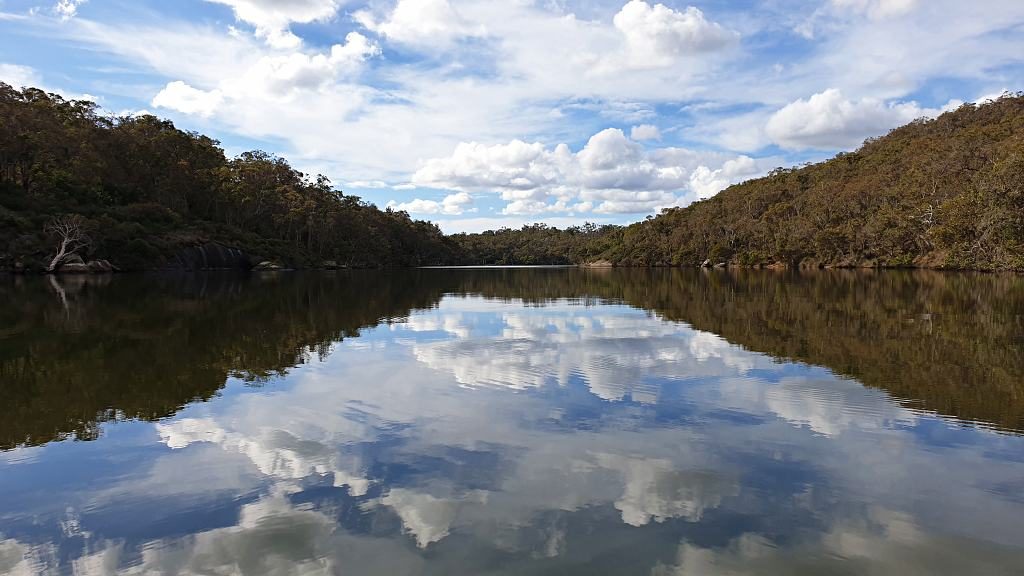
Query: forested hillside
{"points": [[146, 193], [536, 244], [942, 193]]}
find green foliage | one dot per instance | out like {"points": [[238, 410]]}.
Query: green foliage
{"points": [[138, 253], [148, 190], [534, 244], [947, 192]]}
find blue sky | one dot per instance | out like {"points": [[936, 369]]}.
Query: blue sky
{"points": [[479, 114]]}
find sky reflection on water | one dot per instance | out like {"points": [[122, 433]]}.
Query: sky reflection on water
{"points": [[488, 436]]}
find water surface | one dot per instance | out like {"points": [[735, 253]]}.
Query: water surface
{"points": [[549, 421]]}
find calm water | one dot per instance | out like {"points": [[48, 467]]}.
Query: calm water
{"points": [[554, 421]]}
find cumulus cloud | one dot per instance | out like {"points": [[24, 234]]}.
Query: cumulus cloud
{"points": [[829, 120], [420, 22], [705, 182], [610, 174], [272, 18], [452, 205], [271, 76], [180, 96], [546, 73], [645, 132], [658, 35]]}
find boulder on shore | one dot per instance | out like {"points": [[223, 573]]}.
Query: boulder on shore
{"points": [[77, 266], [267, 266], [73, 268], [100, 267]]}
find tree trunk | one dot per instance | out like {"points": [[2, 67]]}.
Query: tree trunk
{"points": [[62, 252]]}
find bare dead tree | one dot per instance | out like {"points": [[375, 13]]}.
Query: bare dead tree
{"points": [[70, 236]]}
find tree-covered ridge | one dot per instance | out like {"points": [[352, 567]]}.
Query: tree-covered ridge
{"points": [[146, 190], [535, 244], [941, 193]]}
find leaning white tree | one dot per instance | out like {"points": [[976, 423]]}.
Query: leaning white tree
{"points": [[71, 237]]}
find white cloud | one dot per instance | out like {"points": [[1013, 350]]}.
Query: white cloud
{"points": [[991, 97], [829, 120], [297, 70], [272, 18], [613, 354], [645, 132], [543, 73], [426, 518], [271, 76], [610, 174], [276, 453], [655, 491], [877, 8], [67, 9], [19, 76], [432, 23], [658, 35], [452, 205], [367, 184], [706, 182], [184, 98]]}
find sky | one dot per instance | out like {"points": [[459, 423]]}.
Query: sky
{"points": [[480, 114]]}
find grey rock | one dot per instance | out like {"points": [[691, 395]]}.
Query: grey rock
{"points": [[74, 268], [267, 266], [100, 267]]}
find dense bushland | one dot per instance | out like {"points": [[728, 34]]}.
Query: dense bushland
{"points": [[146, 190], [941, 193]]}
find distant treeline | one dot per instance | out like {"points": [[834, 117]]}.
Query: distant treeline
{"points": [[941, 193]]}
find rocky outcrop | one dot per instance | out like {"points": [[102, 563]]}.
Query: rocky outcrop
{"points": [[267, 266], [73, 268], [99, 267], [74, 265], [211, 256]]}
